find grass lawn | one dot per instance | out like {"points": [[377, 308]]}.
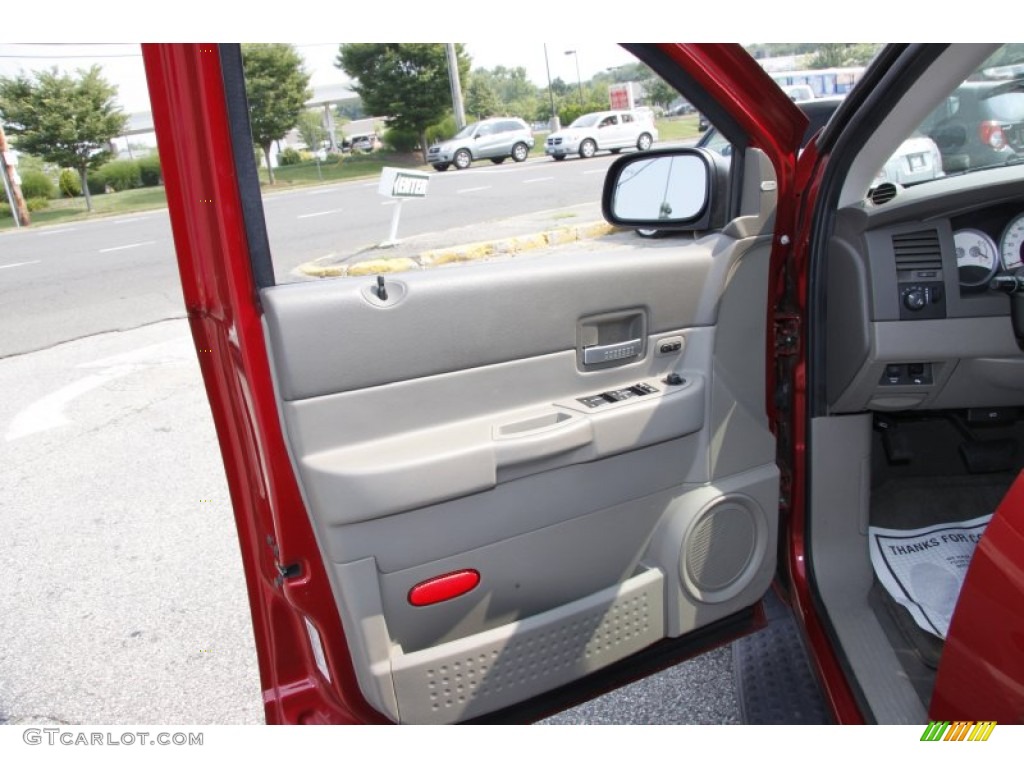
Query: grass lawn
{"points": [[349, 167], [113, 203], [134, 200], [676, 128]]}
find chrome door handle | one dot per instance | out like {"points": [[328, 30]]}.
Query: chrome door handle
{"points": [[605, 354]]}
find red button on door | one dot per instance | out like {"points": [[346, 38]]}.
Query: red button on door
{"points": [[441, 588]]}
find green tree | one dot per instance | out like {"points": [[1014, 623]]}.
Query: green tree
{"points": [[406, 83], [481, 100], [311, 129], [64, 119], [842, 55], [278, 88], [659, 92]]}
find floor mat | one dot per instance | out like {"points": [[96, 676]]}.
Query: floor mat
{"points": [[924, 568], [913, 502]]}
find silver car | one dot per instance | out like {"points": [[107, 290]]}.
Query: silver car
{"points": [[495, 139]]}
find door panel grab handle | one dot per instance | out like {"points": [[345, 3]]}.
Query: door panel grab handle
{"points": [[609, 352]]}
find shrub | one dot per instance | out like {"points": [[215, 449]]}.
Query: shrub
{"points": [[401, 140], [5, 211], [442, 131], [70, 183], [96, 181], [37, 204], [570, 112], [289, 156], [37, 184], [120, 175], [149, 170]]}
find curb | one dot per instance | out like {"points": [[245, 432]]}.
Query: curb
{"points": [[437, 257]]}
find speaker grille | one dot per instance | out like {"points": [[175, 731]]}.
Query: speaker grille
{"points": [[720, 547]]}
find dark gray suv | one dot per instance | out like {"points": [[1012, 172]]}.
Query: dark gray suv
{"points": [[495, 139], [981, 124]]}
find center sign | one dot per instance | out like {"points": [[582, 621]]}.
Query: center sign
{"points": [[401, 182]]}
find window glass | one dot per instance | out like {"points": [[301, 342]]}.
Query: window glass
{"points": [[979, 125], [392, 193]]}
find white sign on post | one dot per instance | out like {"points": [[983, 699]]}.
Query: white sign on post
{"points": [[401, 184]]}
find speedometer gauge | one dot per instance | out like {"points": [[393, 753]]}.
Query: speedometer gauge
{"points": [[977, 258], [1011, 245]]}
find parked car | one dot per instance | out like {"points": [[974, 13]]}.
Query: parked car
{"points": [[798, 92], [683, 108], [495, 139], [613, 130], [980, 124], [368, 142], [488, 492]]}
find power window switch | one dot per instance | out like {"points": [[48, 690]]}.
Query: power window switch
{"points": [[670, 345]]}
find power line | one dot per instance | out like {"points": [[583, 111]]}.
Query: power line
{"points": [[72, 56]]}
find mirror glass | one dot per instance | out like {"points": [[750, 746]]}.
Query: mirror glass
{"points": [[666, 188]]}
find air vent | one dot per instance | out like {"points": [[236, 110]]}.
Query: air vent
{"points": [[882, 194], [917, 250]]}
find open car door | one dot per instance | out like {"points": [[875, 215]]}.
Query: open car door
{"points": [[472, 493]]}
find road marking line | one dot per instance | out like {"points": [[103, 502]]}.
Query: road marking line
{"points": [[543, 178], [55, 231], [321, 192], [390, 202], [371, 184], [48, 411], [470, 189], [18, 264], [599, 170], [126, 247], [319, 213]]}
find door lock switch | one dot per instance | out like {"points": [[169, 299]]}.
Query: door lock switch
{"points": [[670, 345]]}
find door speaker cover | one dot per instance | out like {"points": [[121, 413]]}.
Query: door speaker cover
{"points": [[723, 548]]}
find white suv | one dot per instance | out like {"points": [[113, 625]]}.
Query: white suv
{"points": [[613, 130]]}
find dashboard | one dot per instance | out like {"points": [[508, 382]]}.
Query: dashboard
{"points": [[911, 321]]}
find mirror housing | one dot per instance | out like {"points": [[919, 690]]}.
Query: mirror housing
{"points": [[666, 189]]}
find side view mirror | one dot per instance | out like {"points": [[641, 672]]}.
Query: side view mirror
{"points": [[669, 189]]}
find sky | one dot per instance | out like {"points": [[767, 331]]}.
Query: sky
{"points": [[511, 35], [122, 62]]}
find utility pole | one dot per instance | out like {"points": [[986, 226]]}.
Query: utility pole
{"points": [[555, 126], [453, 78], [579, 83], [11, 184]]}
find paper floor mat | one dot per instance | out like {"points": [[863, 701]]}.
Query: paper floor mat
{"points": [[923, 568]]}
